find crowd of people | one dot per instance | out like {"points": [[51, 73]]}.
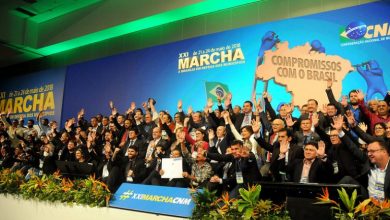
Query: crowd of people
{"points": [[345, 141]]}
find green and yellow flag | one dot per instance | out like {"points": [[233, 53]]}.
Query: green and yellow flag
{"points": [[215, 89]]}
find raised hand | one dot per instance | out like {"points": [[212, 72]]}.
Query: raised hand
{"points": [[180, 104], [360, 94], [111, 103], [210, 103], [283, 147], [256, 126], [266, 95], [145, 106], [114, 111], [226, 116], [363, 126], [181, 136], [151, 102], [211, 134], [344, 101], [329, 83], [338, 122], [81, 113], [189, 110], [350, 118], [228, 99], [321, 149], [289, 121], [131, 108]]}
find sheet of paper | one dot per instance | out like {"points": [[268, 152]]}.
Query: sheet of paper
{"points": [[172, 167]]}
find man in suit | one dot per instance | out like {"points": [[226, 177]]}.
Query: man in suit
{"points": [[134, 168], [218, 144], [306, 134], [245, 118], [344, 162], [156, 141], [133, 140], [378, 185], [313, 168], [375, 176], [95, 125], [312, 108], [293, 151], [146, 126], [239, 170], [129, 169]]}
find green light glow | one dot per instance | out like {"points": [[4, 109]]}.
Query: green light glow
{"points": [[197, 9]]}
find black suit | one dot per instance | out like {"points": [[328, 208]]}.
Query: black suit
{"points": [[138, 167], [222, 145], [347, 162], [248, 166], [120, 168], [164, 144], [319, 172], [139, 144], [239, 118], [362, 179], [146, 130]]}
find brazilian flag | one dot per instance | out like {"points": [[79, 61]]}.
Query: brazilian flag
{"points": [[215, 89]]}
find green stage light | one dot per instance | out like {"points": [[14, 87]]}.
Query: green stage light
{"points": [[197, 9]]}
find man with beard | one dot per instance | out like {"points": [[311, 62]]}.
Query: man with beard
{"points": [[130, 169], [68, 153], [354, 106]]}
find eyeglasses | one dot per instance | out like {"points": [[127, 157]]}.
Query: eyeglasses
{"points": [[373, 151], [379, 128]]}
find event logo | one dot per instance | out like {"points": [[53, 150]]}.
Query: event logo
{"points": [[358, 32], [28, 102], [211, 58], [130, 194]]}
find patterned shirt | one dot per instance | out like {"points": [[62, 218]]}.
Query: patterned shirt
{"points": [[201, 172]]}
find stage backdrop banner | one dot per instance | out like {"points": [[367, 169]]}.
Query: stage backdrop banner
{"points": [[292, 59], [155, 199], [25, 96]]}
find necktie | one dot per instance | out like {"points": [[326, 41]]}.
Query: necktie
{"points": [[306, 140], [217, 145], [158, 164], [124, 137], [246, 120]]}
